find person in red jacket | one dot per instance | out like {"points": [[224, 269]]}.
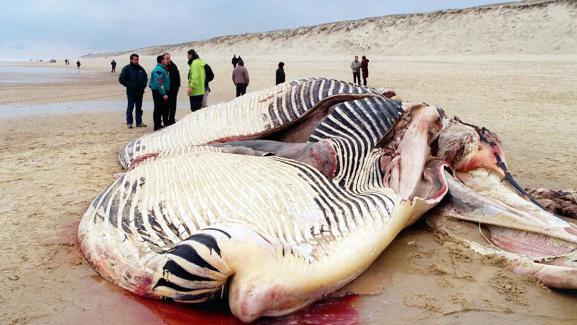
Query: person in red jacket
{"points": [[365, 69]]}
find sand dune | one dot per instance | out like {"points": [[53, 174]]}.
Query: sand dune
{"points": [[526, 27]]}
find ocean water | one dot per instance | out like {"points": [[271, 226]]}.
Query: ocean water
{"points": [[12, 111], [12, 73]]}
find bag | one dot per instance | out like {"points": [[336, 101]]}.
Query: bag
{"points": [[208, 73]]}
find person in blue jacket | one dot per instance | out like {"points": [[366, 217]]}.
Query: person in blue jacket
{"points": [[160, 85], [134, 78]]}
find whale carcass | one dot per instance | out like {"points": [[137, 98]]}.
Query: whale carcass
{"points": [[280, 197]]}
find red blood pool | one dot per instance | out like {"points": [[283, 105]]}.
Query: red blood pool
{"points": [[117, 306]]}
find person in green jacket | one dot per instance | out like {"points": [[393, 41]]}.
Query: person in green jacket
{"points": [[196, 80], [160, 85]]}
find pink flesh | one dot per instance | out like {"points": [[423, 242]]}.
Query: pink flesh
{"points": [[527, 243], [405, 169], [320, 155]]}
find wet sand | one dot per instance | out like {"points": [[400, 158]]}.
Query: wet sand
{"points": [[55, 162]]}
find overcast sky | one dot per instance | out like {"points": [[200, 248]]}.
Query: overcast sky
{"points": [[33, 29]]}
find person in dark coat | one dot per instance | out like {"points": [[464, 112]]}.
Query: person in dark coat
{"points": [[234, 61], [280, 77], [134, 78], [113, 65], [365, 70], [78, 64], [174, 75]]}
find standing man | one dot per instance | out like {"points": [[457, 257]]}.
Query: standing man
{"points": [[208, 77], [356, 67], [240, 78], [174, 75], [78, 64], [280, 78], [113, 65], [196, 80], [365, 69], [160, 85], [134, 78]]}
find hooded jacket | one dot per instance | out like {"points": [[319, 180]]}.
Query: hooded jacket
{"points": [[197, 77]]}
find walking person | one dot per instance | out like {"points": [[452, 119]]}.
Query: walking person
{"points": [[196, 80], [280, 77], [234, 61], [356, 67], [78, 64], [174, 76], [160, 85], [134, 78], [365, 69], [113, 65], [240, 78]]}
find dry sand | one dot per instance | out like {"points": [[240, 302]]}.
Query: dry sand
{"points": [[54, 163]]}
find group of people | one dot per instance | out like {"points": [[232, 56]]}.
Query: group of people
{"points": [[359, 68], [67, 62], [164, 83], [241, 79]]}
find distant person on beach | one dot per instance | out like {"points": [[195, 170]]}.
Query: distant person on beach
{"points": [[234, 61], [134, 78], [160, 85], [196, 80], [240, 78], [66, 61], [280, 77], [78, 64], [365, 69], [174, 75], [113, 65], [356, 67]]}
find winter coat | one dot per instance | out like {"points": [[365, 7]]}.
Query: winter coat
{"points": [[174, 75], [280, 77], [240, 75], [365, 68], [159, 80], [197, 77], [134, 78]]}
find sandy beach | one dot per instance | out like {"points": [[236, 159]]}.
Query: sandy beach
{"points": [[59, 142]]}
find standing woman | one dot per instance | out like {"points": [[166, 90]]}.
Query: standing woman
{"points": [[365, 69]]}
